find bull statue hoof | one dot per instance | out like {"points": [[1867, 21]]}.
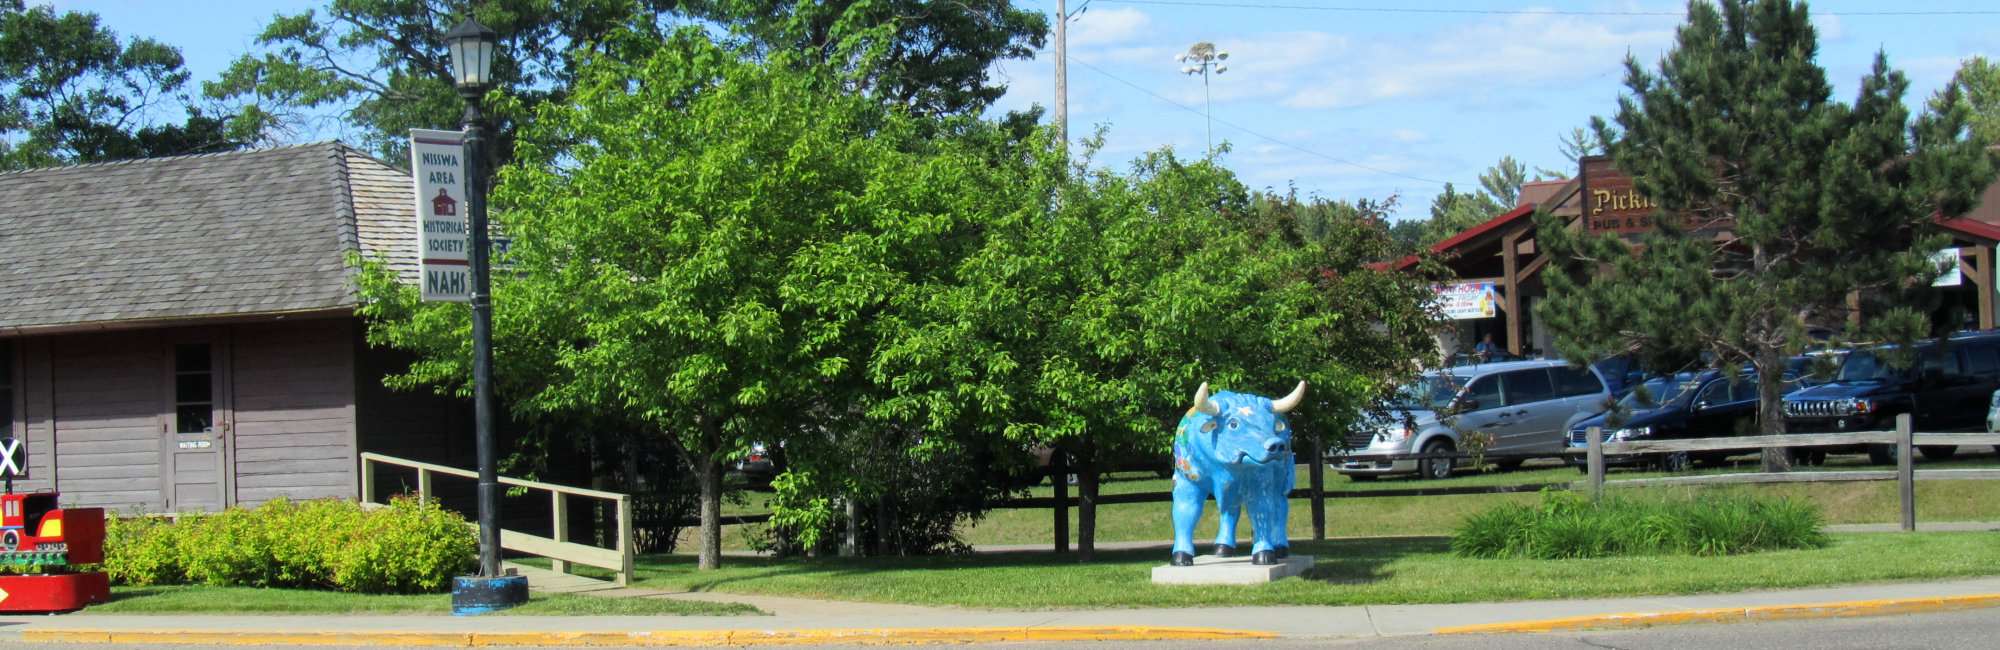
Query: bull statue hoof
{"points": [[1283, 552], [1235, 448], [1183, 559]]}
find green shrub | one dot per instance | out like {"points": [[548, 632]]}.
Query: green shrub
{"points": [[407, 547], [325, 544], [142, 551], [1567, 525]]}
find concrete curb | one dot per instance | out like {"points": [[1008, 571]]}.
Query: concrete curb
{"points": [[1845, 609], [661, 638]]}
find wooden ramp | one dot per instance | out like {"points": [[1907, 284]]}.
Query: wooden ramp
{"points": [[551, 582]]}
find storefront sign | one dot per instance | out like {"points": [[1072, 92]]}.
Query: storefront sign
{"points": [[1468, 300], [1611, 204], [437, 159]]}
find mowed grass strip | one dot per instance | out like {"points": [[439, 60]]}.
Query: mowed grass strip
{"points": [[250, 600], [1349, 572]]}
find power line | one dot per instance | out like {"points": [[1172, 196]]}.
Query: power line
{"points": [[1245, 129], [1224, 4]]}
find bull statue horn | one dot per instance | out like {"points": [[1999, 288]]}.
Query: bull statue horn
{"points": [[1287, 403], [1201, 402]]}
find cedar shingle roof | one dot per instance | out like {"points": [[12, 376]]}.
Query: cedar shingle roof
{"points": [[250, 232]]}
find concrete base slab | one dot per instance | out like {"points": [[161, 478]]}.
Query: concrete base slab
{"points": [[1211, 570]]}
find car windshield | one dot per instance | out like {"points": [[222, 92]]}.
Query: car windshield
{"points": [[1864, 365], [1427, 393], [1660, 390]]}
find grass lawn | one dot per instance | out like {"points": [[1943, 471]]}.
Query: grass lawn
{"points": [[1350, 572], [247, 600]]}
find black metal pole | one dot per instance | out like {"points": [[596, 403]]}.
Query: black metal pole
{"points": [[482, 339]]}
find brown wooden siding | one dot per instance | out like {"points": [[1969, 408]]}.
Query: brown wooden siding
{"points": [[294, 410], [104, 419]]}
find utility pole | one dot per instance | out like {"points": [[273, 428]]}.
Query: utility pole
{"points": [[1062, 74], [1202, 58]]}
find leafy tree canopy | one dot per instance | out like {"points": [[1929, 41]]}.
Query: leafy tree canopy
{"points": [[382, 67], [72, 91]]}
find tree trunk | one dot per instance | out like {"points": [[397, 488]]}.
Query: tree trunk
{"points": [[1771, 406], [1086, 507], [711, 515]]}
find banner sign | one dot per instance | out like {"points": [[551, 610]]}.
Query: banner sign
{"points": [[1468, 300], [1948, 260], [437, 160]]}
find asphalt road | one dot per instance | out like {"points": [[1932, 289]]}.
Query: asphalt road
{"points": [[1968, 629]]}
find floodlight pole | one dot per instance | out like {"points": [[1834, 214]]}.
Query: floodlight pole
{"points": [[1204, 59]]}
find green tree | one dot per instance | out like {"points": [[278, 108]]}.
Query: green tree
{"points": [[1978, 84], [74, 92], [1576, 144], [1502, 182], [382, 68], [1738, 132]]}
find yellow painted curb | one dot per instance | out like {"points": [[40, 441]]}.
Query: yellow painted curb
{"points": [[1730, 614], [852, 636]]}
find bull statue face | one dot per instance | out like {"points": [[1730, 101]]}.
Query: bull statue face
{"points": [[1246, 429]]}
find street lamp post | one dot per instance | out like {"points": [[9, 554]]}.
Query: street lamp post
{"points": [[1202, 58], [472, 51]]}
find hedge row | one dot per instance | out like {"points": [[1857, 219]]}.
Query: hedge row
{"points": [[407, 547], [1568, 525]]}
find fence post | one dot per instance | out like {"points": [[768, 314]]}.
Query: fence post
{"points": [[1595, 459], [367, 480], [1906, 474], [423, 485], [1318, 474], [625, 541], [1059, 478], [560, 512]]}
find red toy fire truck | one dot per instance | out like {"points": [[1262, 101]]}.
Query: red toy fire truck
{"points": [[37, 534]]}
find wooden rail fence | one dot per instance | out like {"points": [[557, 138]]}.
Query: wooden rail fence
{"points": [[560, 551]]}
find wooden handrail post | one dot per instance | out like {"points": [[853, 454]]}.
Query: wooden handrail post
{"points": [[559, 512], [423, 485], [367, 479], [625, 542], [1906, 471], [1595, 459]]}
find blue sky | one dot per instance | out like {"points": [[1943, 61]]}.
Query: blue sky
{"points": [[1344, 104]]}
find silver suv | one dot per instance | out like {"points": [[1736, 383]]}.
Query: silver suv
{"points": [[1520, 406]]}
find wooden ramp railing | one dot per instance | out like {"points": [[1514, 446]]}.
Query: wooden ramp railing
{"points": [[560, 551]]}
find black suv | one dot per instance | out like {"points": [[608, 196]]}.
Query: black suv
{"points": [[1944, 387], [1698, 404]]}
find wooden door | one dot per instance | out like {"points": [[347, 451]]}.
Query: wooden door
{"points": [[197, 424]]}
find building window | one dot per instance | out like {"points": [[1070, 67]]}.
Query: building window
{"points": [[194, 388]]}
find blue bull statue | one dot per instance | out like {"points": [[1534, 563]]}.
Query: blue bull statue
{"points": [[1238, 449]]}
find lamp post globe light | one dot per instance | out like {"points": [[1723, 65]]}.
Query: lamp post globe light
{"points": [[472, 48], [1203, 59]]}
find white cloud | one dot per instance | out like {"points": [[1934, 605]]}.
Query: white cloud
{"points": [[1408, 135], [1516, 51], [1829, 27], [1109, 27]]}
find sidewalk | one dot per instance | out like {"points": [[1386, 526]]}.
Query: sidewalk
{"points": [[864, 623]]}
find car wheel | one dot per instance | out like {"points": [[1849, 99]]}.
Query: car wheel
{"points": [[1938, 452], [1675, 462], [1882, 454], [1437, 468], [1817, 458]]}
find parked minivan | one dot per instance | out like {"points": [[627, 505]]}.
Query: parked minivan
{"points": [[1946, 386], [1524, 406]]}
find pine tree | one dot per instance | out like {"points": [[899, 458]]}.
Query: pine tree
{"points": [[1738, 132]]}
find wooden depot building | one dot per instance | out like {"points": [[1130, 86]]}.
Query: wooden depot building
{"points": [[1498, 265], [179, 334]]}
